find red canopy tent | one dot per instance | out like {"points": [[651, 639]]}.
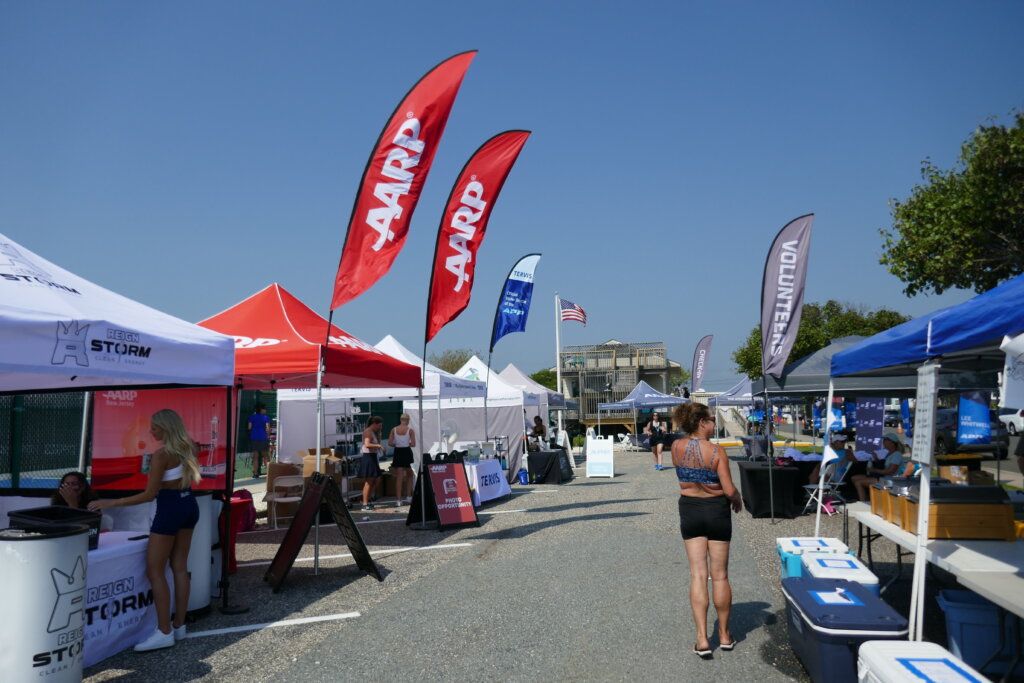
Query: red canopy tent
{"points": [[279, 339]]}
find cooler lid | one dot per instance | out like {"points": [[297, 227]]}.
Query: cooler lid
{"points": [[841, 606], [900, 661], [958, 493], [838, 566], [802, 544]]}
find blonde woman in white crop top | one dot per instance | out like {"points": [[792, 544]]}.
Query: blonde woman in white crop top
{"points": [[403, 439], [172, 471]]}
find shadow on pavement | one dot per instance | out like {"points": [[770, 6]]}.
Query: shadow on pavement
{"points": [[527, 529]]}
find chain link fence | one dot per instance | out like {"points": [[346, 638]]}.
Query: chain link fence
{"points": [[40, 435]]}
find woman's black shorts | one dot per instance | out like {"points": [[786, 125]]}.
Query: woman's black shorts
{"points": [[402, 458], [710, 517]]}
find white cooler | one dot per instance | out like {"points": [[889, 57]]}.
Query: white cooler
{"points": [[891, 661], [790, 549], [837, 566]]}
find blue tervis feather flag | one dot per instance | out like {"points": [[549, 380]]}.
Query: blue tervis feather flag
{"points": [[514, 304]]}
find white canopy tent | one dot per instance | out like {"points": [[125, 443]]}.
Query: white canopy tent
{"points": [[519, 379], [508, 409], [297, 408], [59, 331]]}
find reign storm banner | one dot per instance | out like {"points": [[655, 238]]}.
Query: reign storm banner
{"points": [[394, 178], [782, 293], [463, 225]]}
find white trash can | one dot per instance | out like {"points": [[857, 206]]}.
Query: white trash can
{"points": [[42, 571]]}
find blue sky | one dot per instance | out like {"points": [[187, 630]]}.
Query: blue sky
{"points": [[188, 154]]}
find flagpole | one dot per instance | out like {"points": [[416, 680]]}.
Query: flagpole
{"points": [[558, 360]]}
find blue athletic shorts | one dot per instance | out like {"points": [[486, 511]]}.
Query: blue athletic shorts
{"points": [[176, 509]]}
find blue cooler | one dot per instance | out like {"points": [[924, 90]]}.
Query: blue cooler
{"points": [[790, 550], [828, 619], [894, 661], [835, 566]]}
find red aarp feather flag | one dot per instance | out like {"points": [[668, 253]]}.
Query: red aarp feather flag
{"points": [[394, 177], [463, 224]]}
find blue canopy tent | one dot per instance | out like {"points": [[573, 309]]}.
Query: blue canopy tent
{"points": [[643, 396], [965, 336], [738, 395]]}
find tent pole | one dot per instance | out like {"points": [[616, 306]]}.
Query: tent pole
{"points": [[821, 470], [83, 443], [230, 457], [487, 386], [770, 447]]}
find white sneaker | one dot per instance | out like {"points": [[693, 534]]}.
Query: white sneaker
{"points": [[407, 501], [156, 641], [179, 632]]}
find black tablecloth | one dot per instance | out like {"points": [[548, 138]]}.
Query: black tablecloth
{"points": [[548, 467], [754, 487]]}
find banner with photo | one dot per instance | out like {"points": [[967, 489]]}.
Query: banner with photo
{"points": [[514, 304], [122, 446], [973, 423]]}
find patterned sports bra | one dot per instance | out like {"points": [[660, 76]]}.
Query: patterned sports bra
{"points": [[692, 469]]}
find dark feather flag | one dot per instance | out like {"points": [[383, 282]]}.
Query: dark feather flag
{"points": [[463, 225], [394, 177], [514, 304], [701, 355], [782, 293]]}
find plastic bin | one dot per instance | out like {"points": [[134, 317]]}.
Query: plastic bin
{"points": [[790, 550], [827, 621], [836, 566], [972, 627], [888, 661], [33, 518]]}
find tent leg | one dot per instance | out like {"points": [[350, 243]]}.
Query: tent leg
{"points": [[225, 541]]}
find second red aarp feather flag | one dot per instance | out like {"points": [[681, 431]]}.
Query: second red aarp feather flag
{"points": [[394, 177], [463, 224]]}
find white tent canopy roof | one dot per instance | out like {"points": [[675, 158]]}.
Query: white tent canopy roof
{"points": [[60, 331], [498, 390], [439, 384], [520, 379]]}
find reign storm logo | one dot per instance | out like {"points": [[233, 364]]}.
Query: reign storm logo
{"points": [[119, 346], [16, 267], [70, 597], [71, 343]]}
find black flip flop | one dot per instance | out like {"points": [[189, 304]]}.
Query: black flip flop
{"points": [[728, 646], [703, 654]]}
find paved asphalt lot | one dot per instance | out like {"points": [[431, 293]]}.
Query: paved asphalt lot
{"points": [[581, 582]]}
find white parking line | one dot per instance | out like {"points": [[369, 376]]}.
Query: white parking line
{"points": [[501, 512], [272, 624], [375, 553]]}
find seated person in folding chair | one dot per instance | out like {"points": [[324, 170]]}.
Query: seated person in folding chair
{"points": [[846, 458], [893, 463]]}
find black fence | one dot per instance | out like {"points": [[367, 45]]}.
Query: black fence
{"points": [[40, 436]]}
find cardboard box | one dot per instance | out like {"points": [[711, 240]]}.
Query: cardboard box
{"points": [[329, 465], [981, 478], [957, 474], [282, 469]]}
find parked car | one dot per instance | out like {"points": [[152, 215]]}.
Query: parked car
{"points": [[1013, 418], [893, 418], [945, 435]]}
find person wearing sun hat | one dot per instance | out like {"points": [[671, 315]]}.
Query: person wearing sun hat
{"points": [[838, 442], [892, 463]]}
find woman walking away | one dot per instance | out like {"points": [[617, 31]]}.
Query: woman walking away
{"points": [[706, 493], [403, 439], [171, 472], [656, 430], [369, 465]]}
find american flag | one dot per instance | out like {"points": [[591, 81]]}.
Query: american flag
{"points": [[571, 311]]}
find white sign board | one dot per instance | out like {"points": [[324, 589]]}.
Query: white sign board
{"points": [[924, 414], [600, 456]]}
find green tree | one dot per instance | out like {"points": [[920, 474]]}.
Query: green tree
{"points": [[963, 228], [451, 360], [819, 324], [679, 376], [547, 378]]}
